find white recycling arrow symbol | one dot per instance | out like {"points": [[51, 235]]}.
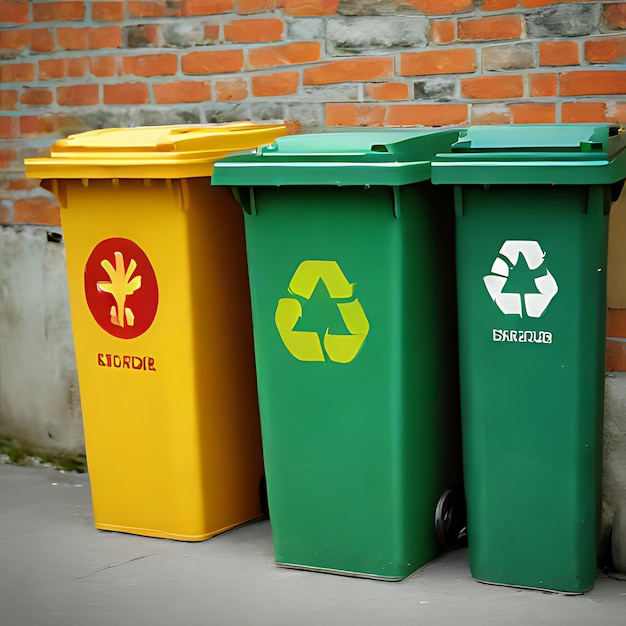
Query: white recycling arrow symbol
{"points": [[511, 303]]}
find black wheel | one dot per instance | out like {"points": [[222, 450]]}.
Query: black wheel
{"points": [[450, 520], [263, 497]]}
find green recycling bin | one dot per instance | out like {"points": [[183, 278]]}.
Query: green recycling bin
{"points": [[532, 205], [351, 263]]}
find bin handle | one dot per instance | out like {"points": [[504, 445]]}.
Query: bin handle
{"points": [[458, 201], [245, 197], [180, 190], [396, 202], [58, 188], [599, 194]]}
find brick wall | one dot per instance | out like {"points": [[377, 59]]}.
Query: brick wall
{"points": [[72, 65]]}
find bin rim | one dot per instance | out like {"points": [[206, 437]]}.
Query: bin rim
{"points": [[169, 151], [583, 154], [388, 157]]}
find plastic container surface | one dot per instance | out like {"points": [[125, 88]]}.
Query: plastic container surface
{"points": [[351, 258], [532, 208], [162, 330]]}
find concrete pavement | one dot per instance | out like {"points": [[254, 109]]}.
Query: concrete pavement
{"points": [[56, 569]]}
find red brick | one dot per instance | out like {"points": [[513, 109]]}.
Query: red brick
{"points": [[36, 96], [591, 83], [42, 40], [491, 28], [104, 66], [349, 70], [77, 95], [9, 127], [31, 125], [17, 72], [8, 100], [59, 11], [442, 7], [150, 65], [576, 112], [38, 39], [23, 184], [182, 91], [279, 84], [531, 113], [147, 8], [72, 38], [616, 323], [108, 11], [248, 31], [212, 62], [288, 54], [493, 87], [615, 14], [544, 85], [14, 12], [498, 5], [15, 39], [609, 50], [310, 7], [155, 8], [211, 32], [62, 68], [447, 61], [427, 114], [227, 90], [256, 6], [442, 31], [558, 53], [126, 93], [339, 114], [52, 68], [105, 37], [615, 356], [207, 7], [7, 158], [38, 210], [387, 91]]}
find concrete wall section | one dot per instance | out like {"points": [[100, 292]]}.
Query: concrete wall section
{"points": [[614, 472], [39, 398]]}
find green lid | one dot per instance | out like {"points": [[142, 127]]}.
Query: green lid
{"points": [[560, 154], [374, 157]]}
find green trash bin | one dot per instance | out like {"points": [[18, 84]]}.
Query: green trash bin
{"points": [[532, 205], [351, 262]]}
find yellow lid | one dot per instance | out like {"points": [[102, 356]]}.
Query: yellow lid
{"points": [[150, 151]]}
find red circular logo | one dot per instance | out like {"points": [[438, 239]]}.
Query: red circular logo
{"points": [[121, 288]]}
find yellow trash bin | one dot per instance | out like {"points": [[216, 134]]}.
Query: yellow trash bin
{"points": [[160, 308]]}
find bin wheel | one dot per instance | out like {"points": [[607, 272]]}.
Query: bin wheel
{"points": [[450, 520], [263, 497]]}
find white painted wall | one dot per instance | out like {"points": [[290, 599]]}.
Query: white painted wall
{"points": [[39, 398]]}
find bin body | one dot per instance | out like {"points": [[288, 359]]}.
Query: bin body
{"points": [[353, 309], [165, 361], [532, 210]]}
